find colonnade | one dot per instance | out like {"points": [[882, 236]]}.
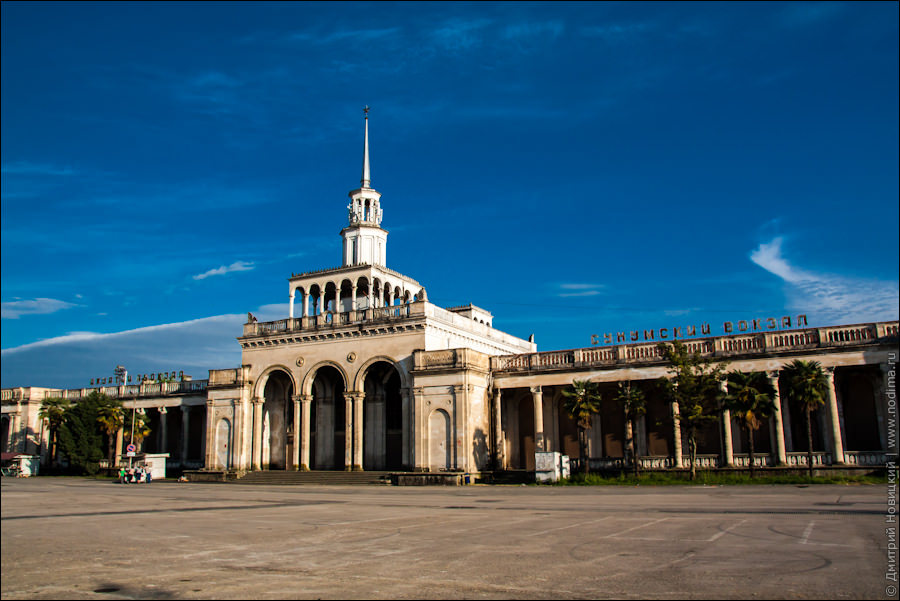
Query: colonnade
{"points": [[301, 426], [314, 298], [831, 425]]}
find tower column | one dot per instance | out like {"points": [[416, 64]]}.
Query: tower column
{"points": [[291, 305], [353, 296]]}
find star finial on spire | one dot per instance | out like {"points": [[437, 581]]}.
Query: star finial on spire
{"points": [[366, 111]]}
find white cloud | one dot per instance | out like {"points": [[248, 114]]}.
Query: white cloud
{"points": [[579, 290], [194, 346], [831, 298], [236, 266], [38, 306]]}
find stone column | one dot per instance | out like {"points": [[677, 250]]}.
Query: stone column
{"points": [[537, 396], [209, 440], [727, 448], [305, 403], [120, 441], [676, 436], [163, 430], [256, 453], [358, 400], [778, 419], [304, 297], [348, 432], [295, 449], [15, 434], [185, 432], [353, 297], [405, 428], [498, 430], [291, 305], [837, 456]]}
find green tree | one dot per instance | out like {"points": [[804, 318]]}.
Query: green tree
{"points": [[111, 418], [582, 402], [53, 410], [807, 387], [80, 436], [694, 385], [750, 401], [634, 404]]}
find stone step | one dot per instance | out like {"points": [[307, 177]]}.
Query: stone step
{"points": [[314, 477]]}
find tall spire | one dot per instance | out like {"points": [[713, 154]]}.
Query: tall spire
{"points": [[366, 178]]}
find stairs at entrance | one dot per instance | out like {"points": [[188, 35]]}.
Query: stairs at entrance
{"points": [[291, 478]]}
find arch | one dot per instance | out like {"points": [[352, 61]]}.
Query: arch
{"points": [[439, 439], [223, 444], [277, 420], [328, 419], [263, 377], [360, 378], [309, 378], [384, 421]]}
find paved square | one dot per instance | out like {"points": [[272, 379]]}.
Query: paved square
{"points": [[74, 538]]}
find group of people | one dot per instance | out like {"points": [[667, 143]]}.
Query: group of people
{"points": [[133, 475]]}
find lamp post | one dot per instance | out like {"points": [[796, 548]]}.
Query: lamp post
{"points": [[122, 373]]}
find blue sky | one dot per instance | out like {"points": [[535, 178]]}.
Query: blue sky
{"points": [[575, 168]]}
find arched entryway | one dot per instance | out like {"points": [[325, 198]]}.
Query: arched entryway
{"points": [[328, 415], [382, 418], [277, 418]]}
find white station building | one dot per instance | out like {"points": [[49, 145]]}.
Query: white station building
{"points": [[364, 373]]}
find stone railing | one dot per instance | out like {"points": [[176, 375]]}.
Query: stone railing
{"points": [[332, 320], [866, 458], [800, 459], [721, 346], [759, 460], [450, 359], [146, 389]]}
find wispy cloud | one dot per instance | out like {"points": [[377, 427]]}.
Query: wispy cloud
{"points": [[343, 35], [194, 346], [832, 298], [236, 266], [576, 290], [38, 306], [459, 34], [26, 168], [543, 29]]}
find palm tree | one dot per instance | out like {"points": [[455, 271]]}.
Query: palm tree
{"points": [[582, 403], [53, 410], [807, 387], [141, 426], [634, 404], [111, 418], [750, 400]]}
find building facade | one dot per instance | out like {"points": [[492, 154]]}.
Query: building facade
{"points": [[366, 374]]}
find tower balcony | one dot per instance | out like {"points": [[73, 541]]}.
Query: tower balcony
{"points": [[331, 320]]}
